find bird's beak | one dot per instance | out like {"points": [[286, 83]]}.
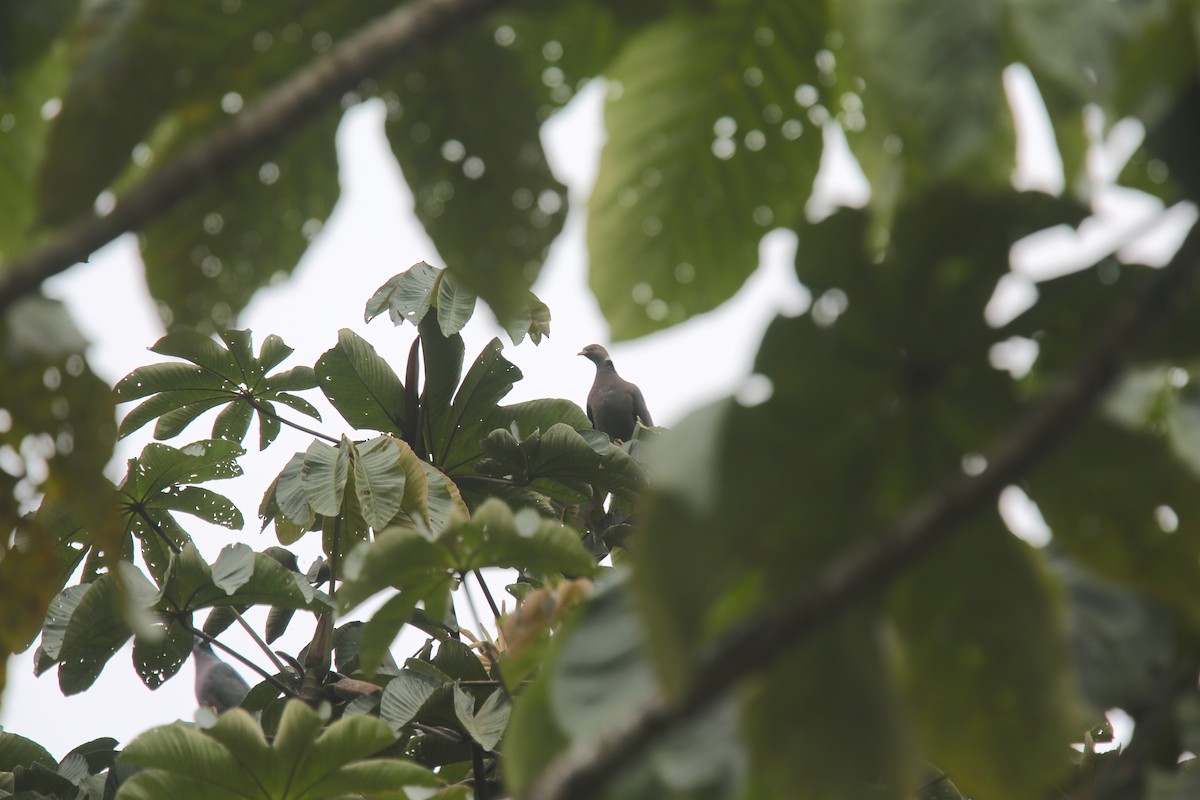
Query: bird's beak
{"points": [[581, 353]]}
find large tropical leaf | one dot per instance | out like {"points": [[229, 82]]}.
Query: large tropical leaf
{"points": [[233, 760], [87, 627], [562, 463], [361, 385], [160, 482], [217, 376], [472, 154], [493, 537], [707, 151]]}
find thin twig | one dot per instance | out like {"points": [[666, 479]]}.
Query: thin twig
{"points": [[487, 594], [304, 95], [276, 660], [475, 614], [268, 677], [264, 410], [587, 767]]}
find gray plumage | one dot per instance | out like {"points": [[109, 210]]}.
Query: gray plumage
{"points": [[218, 685], [614, 405]]}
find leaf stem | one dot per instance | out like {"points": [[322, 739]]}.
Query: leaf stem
{"points": [[479, 771], [258, 639], [487, 594], [268, 677], [268, 412]]}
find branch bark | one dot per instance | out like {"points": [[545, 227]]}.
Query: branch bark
{"points": [[296, 100], [587, 767]]}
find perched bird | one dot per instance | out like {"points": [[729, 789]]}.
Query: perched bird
{"points": [[218, 685], [614, 405]]}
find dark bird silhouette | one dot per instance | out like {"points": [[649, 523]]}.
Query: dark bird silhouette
{"points": [[218, 685], [614, 405]]}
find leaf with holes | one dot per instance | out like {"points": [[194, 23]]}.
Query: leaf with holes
{"points": [[157, 485], [216, 376]]}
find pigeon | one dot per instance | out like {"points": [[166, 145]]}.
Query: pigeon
{"points": [[218, 685], [614, 405]]}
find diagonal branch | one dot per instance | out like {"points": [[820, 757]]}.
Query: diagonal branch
{"points": [[298, 99], [587, 767]]}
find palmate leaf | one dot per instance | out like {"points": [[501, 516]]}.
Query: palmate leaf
{"points": [[481, 183], [492, 537], [361, 385], [409, 296], [230, 375], [367, 485], [233, 760], [157, 484], [707, 150], [89, 624], [562, 463]]}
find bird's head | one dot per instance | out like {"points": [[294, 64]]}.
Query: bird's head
{"points": [[596, 354]]}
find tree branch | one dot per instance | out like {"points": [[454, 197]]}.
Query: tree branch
{"points": [[301, 97], [584, 769]]}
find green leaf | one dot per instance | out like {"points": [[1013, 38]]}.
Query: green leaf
{"points": [[533, 320], [158, 658], [602, 673], [479, 177], [486, 725], [803, 720], [403, 697], [191, 587], [398, 557], [1148, 534], [207, 255], [454, 433], [443, 360], [232, 759], [23, 137], [706, 152], [179, 393], [406, 297], [458, 661], [379, 479], [58, 616], [361, 385], [497, 537], [963, 701], [1122, 640], [203, 503], [233, 567], [915, 54], [17, 751], [94, 634], [324, 475], [152, 487], [455, 304], [384, 625], [562, 463]]}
